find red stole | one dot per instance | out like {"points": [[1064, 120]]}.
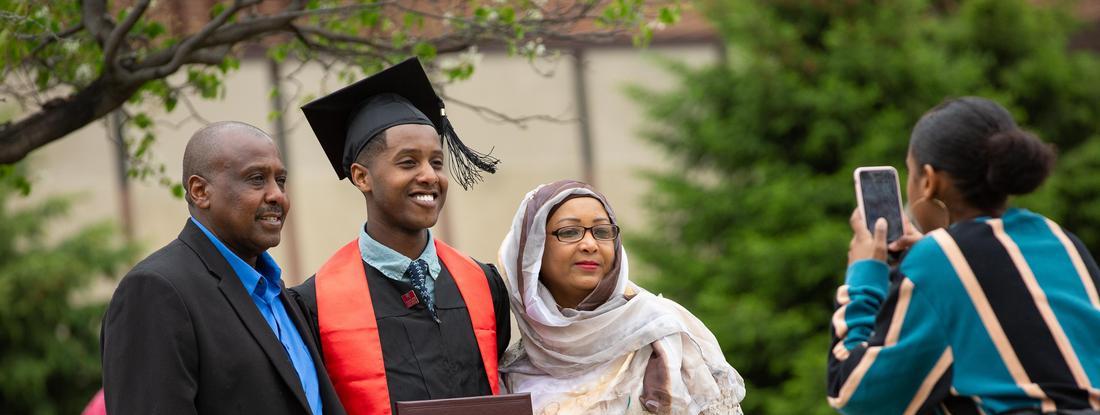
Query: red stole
{"points": [[349, 331]]}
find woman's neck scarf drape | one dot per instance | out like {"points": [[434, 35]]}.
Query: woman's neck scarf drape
{"points": [[621, 350]]}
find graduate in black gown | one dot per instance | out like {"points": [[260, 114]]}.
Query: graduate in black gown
{"points": [[400, 315]]}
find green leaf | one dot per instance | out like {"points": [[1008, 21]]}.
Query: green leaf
{"points": [[278, 53], [153, 29], [424, 50], [481, 14], [669, 15], [146, 141], [460, 72], [643, 37], [13, 175], [142, 121], [507, 15], [398, 40], [413, 20], [229, 63], [217, 10], [368, 17], [170, 103], [209, 85], [42, 79]]}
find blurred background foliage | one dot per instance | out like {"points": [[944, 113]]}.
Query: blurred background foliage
{"points": [[69, 63], [750, 226], [49, 328]]}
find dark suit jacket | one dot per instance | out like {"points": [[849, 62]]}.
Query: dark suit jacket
{"points": [[181, 336]]}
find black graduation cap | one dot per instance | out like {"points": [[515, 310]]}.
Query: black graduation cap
{"points": [[345, 120]]}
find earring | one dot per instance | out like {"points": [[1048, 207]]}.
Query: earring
{"points": [[942, 219]]}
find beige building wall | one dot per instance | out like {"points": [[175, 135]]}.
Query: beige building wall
{"points": [[326, 213]]}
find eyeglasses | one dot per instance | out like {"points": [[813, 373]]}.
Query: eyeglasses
{"points": [[570, 234]]}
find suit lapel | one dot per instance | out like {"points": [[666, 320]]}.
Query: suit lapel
{"points": [[324, 384], [234, 292], [304, 329]]}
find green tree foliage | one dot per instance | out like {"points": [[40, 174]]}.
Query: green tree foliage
{"points": [[753, 222], [49, 340], [68, 63]]}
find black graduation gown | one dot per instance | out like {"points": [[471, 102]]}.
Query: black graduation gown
{"points": [[425, 359]]}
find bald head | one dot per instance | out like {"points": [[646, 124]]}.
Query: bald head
{"points": [[235, 183], [206, 153]]}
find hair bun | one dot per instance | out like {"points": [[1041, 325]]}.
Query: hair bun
{"points": [[1018, 162]]}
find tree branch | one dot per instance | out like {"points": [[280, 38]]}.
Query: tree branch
{"points": [[212, 57], [335, 10], [114, 41], [340, 37], [94, 15], [251, 28], [180, 53], [54, 37], [16, 89], [130, 64], [62, 116], [193, 113], [495, 116]]}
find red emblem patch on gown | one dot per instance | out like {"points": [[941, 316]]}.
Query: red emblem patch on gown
{"points": [[410, 299]]}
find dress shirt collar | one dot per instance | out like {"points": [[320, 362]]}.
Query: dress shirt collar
{"points": [[266, 269], [391, 263]]}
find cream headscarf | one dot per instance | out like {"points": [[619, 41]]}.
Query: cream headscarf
{"points": [[623, 350]]}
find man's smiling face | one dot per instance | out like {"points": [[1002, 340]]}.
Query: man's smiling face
{"points": [[406, 184]]}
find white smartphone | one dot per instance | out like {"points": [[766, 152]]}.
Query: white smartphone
{"points": [[878, 194]]}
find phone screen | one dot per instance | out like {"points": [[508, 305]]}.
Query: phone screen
{"points": [[881, 200]]}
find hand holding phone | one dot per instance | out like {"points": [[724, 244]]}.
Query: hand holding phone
{"points": [[878, 195], [867, 244]]}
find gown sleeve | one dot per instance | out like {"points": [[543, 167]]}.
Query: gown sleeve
{"points": [[500, 305], [305, 295]]}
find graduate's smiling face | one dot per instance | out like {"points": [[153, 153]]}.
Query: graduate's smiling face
{"points": [[571, 270], [404, 183]]}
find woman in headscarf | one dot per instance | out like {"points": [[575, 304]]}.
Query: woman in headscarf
{"points": [[593, 342]]}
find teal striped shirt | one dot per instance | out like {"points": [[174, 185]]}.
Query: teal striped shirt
{"points": [[988, 316]]}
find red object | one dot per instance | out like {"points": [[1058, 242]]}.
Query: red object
{"points": [[349, 331], [96, 406], [410, 299]]}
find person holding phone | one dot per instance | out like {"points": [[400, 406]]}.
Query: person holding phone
{"points": [[992, 309]]}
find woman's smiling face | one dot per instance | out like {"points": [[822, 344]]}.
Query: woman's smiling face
{"points": [[571, 270]]}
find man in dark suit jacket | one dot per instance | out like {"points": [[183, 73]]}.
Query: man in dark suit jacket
{"points": [[203, 325]]}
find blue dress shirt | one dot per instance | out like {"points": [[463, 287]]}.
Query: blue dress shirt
{"points": [[264, 284], [393, 265]]}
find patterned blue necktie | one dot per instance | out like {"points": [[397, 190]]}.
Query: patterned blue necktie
{"points": [[417, 275]]}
